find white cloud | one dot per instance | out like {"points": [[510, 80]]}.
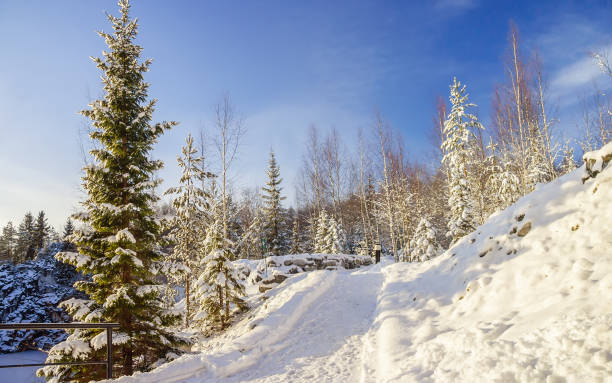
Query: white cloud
{"points": [[455, 4], [571, 80], [565, 45]]}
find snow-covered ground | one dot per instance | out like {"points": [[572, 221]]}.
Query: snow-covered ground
{"points": [[21, 374], [527, 297]]}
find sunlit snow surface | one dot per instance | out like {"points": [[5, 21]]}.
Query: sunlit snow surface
{"points": [[495, 307], [21, 374]]}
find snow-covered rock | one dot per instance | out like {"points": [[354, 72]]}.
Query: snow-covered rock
{"points": [[30, 292], [273, 270], [596, 161]]}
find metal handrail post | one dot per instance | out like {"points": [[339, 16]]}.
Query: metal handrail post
{"points": [[109, 353]]}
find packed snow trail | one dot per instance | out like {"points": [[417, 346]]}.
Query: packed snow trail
{"points": [[308, 331], [527, 297], [325, 345]]}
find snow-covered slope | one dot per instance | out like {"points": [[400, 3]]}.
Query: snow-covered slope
{"points": [[527, 297]]}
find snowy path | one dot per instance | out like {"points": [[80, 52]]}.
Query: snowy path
{"points": [[310, 331], [327, 343]]}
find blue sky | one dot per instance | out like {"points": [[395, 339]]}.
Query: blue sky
{"points": [[286, 64]]}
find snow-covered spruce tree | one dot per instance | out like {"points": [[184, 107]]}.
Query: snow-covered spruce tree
{"points": [[186, 229], [250, 243], [7, 242], [272, 210], [423, 245], [118, 245], [220, 290], [309, 243], [296, 239], [25, 249], [335, 243], [322, 233], [508, 185], [538, 168], [457, 146], [41, 231], [68, 230]]}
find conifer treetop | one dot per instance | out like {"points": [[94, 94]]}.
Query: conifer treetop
{"points": [[119, 241]]}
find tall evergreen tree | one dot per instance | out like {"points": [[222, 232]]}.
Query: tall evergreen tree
{"points": [[68, 230], [219, 288], [296, 240], [41, 231], [119, 242], [25, 249], [459, 130], [186, 226], [8, 241], [272, 207]]}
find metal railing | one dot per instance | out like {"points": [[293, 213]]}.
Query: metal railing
{"points": [[60, 326]]}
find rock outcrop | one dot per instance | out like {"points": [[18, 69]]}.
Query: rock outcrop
{"points": [[274, 270], [30, 292]]}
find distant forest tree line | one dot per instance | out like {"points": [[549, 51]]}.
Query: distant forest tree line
{"points": [[24, 242], [378, 193]]}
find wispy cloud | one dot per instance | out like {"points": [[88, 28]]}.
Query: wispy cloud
{"points": [[566, 44], [455, 4], [571, 80]]}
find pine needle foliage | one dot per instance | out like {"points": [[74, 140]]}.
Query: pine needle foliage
{"points": [[458, 147], [272, 210], [118, 243], [220, 289]]}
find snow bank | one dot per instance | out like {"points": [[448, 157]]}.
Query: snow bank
{"points": [[527, 297]]}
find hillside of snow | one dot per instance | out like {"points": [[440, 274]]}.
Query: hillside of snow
{"points": [[526, 297]]}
